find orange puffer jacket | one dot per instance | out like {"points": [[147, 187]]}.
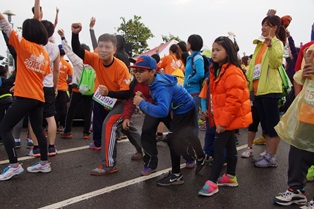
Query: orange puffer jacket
{"points": [[230, 98]]}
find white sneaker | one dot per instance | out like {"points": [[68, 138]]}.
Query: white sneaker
{"points": [[247, 153], [38, 167], [9, 172], [309, 205], [263, 153]]}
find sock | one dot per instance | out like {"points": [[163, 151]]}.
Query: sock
{"points": [[51, 145], [14, 165], [17, 140]]}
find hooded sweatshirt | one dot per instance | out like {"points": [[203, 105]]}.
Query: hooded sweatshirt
{"points": [[167, 96]]}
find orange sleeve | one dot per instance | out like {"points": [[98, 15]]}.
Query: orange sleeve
{"points": [[203, 93]]}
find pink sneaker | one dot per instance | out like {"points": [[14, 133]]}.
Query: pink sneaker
{"points": [[226, 181], [93, 147], [209, 189]]}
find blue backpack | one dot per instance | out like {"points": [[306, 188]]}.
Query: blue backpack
{"points": [[207, 64]]}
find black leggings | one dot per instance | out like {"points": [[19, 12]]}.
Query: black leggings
{"points": [[222, 141], [19, 108]]}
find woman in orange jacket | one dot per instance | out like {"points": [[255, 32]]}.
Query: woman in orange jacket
{"points": [[231, 110]]}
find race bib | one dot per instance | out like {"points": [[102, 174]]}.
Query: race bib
{"points": [[257, 72], [306, 114], [105, 101], [309, 94]]}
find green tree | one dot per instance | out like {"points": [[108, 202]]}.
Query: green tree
{"points": [[170, 37], [135, 32]]}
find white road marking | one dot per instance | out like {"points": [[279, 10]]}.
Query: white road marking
{"points": [[98, 192], [59, 152]]}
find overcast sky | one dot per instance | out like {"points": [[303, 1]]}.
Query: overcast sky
{"points": [[182, 18]]}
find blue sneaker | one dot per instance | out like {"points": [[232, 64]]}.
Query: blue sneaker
{"points": [[147, 171], [34, 152], [29, 144], [17, 144], [9, 172]]}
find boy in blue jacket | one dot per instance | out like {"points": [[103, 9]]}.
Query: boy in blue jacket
{"points": [[170, 101]]}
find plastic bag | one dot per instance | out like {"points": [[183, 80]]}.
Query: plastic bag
{"points": [[297, 124]]}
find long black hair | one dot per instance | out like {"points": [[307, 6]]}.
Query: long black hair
{"points": [[232, 56]]}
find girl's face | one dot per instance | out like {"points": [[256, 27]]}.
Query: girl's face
{"points": [[268, 30], [219, 53]]}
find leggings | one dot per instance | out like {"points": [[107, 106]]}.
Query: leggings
{"points": [[19, 108]]}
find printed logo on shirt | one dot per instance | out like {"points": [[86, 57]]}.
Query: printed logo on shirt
{"points": [[127, 81], [34, 63], [175, 64]]}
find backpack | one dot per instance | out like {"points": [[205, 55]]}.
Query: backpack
{"points": [[207, 64], [87, 82]]}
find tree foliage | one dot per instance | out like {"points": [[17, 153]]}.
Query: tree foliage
{"points": [[170, 37], [135, 32]]}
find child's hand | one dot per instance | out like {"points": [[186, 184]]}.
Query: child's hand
{"points": [[92, 22], [220, 129], [61, 33], [126, 124], [271, 12], [76, 28], [204, 115], [269, 37], [137, 100]]}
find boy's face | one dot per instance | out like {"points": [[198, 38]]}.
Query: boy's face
{"points": [[106, 50], [144, 75]]}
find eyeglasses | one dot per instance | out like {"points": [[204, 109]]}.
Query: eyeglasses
{"points": [[139, 70]]}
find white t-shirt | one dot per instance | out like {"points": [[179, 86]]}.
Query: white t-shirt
{"points": [[53, 52]]}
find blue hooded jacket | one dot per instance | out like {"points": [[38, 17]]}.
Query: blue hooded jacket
{"points": [[167, 95]]}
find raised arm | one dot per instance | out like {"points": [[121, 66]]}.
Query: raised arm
{"points": [[37, 10], [76, 46], [57, 17], [92, 32]]}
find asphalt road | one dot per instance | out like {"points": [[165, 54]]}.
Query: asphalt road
{"points": [[70, 185]]}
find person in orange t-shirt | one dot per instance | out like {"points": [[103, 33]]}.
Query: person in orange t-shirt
{"points": [[113, 79], [33, 65], [65, 77]]}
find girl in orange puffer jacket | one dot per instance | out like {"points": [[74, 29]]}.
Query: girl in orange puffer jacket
{"points": [[231, 110]]}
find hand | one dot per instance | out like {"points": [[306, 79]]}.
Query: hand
{"points": [[137, 100], [269, 37], [220, 129], [76, 28], [204, 115], [12, 89], [61, 33], [271, 12], [126, 124], [92, 22], [103, 90], [308, 69], [57, 10]]}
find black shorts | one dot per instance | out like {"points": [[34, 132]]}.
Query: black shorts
{"points": [[268, 112], [50, 98], [254, 126]]}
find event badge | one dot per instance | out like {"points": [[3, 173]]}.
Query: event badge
{"points": [[105, 101], [257, 72]]}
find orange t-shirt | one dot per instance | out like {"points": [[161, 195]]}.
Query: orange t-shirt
{"points": [[169, 63], [258, 60], [116, 77], [33, 65], [65, 71]]}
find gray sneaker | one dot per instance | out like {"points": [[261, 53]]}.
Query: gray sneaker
{"points": [[267, 162], [103, 170]]}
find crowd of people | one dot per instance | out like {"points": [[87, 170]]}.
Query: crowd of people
{"points": [[226, 91]]}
